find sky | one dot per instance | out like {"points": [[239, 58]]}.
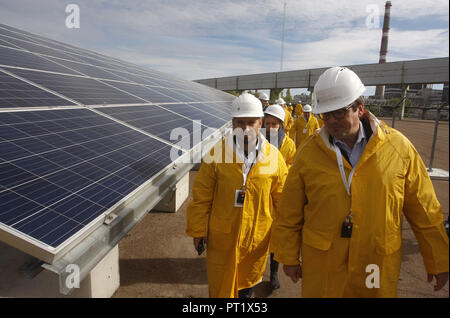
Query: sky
{"points": [[215, 38]]}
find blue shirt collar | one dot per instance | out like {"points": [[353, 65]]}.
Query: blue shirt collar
{"points": [[361, 136]]}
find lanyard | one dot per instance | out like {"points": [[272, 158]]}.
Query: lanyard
{"points": [[348, 183], [249, 161], [246, 167]]}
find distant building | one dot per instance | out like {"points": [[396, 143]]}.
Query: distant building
{"points": [[423, 94], [302, 98], [445, 94], [395, 91]]}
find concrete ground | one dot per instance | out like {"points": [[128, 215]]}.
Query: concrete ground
{"points": [[157, 259]]}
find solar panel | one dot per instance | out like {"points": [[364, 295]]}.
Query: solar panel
{"points": [[190, 111], [88, 70], [104, 129], [45, 170], [150, 94], [154, 120], [17, 93], [33, 47], [84, 90], [15, 57], [8, 31]]}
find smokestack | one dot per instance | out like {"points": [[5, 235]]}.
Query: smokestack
{"points": [[379, 92]]}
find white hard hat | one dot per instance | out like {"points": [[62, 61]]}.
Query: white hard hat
{"points": [[246, 105], [280, 101], [336, 88], [307, 108], [263, 96], [276, 111]]}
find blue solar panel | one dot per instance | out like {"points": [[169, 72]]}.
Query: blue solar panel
{"points": [[17, 93], [89, 70], [154, 120], [11, 32], [150, 94], [215, 108], [18, 58], [60, 178], [84, 90], [188, 110], [36, 48], [5, 43], [67, 49], [61, 168]]}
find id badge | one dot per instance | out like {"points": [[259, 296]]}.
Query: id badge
{"points": [[304, 130], [346, 230], [239, 198]]}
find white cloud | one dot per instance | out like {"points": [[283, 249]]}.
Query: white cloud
{"points": [[212, 38]]}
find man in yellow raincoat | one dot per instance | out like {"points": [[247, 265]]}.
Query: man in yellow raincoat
{"points": [[235, 196], [304, 126], [320, 120], [273, 119], [288, 120], [264, 99], [275, 134], [298, 111], [344, 200]]}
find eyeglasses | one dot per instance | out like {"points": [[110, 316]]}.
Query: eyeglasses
{"points": [[337, 114]]}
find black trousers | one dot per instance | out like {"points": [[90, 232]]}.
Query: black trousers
{"points": [[246, 293], [273, 265]]}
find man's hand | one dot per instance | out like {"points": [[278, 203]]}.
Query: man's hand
{"points": [[293, 271], [441, 280], [197, 241]]}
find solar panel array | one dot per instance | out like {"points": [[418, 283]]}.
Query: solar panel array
{"points": [[80, 131]]}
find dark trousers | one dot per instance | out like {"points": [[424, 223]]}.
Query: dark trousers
{"points": [[246, 293], [273, 265]]}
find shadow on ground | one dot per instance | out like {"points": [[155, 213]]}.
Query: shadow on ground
{"points": [[163, 271]]}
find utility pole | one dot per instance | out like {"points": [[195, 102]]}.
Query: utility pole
{"points": [[282, 36]]}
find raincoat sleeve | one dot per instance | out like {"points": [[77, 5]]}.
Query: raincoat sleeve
{"points": [[293, 130], [200, 206], [289, 158], [277, 186], [315, 124], [424, 214], [286, 233]]}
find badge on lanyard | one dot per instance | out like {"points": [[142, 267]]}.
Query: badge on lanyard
{"points": [[239, 198], [347, 225], [304, 130], [239, 195]]}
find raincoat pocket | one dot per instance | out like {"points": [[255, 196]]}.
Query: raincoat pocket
{"points": [[317, 239]]}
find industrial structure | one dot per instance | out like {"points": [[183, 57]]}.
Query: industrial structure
{"points": [[379, 92]]}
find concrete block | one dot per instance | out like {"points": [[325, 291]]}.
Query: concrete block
{"points": [[101, 282], [174, 199]]}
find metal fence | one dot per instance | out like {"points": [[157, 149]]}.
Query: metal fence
{"points": [[438, 112]]}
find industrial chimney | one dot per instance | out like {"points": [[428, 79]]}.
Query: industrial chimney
{"points": [[379, 92]]}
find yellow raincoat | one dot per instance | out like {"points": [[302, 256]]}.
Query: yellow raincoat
{"points": [[238, 237], [320, 121], [302, 130], [298, 110], [288, 151], [390, 181], [288, 122]]}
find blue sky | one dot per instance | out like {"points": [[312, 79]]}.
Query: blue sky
{"points": [[211, 38]]}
